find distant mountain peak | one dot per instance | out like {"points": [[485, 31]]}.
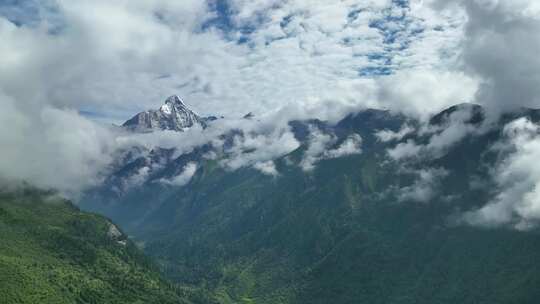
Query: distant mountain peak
{"points": [[175, 100], [477, 113], [173, 104], [172, 115], [249, 115]]}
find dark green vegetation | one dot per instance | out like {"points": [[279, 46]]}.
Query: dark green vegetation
{"points": [[325, 240], [338, 234], [51, 252]]}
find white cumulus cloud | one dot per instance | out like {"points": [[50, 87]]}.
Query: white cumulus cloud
{"points": [[518, 178], [184, 177]]}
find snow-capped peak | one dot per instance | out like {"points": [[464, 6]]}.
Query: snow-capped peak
{"points": [[174, 100], [172, 115], [173, 104]]}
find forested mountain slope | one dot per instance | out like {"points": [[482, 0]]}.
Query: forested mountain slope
{"points": [[51, 252], [367, 227]]}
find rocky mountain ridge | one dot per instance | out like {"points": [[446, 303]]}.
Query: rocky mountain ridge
{"points": [[172, 115]]}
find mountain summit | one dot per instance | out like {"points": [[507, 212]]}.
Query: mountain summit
{"points": [[172, 115]]}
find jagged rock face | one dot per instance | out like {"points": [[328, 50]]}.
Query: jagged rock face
{"points": [[249, 115], [173, 115]]}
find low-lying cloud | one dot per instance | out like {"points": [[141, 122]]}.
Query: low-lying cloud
{"points": [[184, 177], [389, 135], [518, 180], [426, 186], [320, 147], [440, 137], [52, 148]]}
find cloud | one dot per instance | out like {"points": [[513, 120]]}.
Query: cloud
{"points": [[425, 188], [52, 148], [351, 145], [501, 48], [518, 179], [319, 144], [138, 178], [389, 135], [421, 92], [267, 167], [454, 128], [271, 54], [258, 149], [183, 142], [405, 150], [184, 177], [125, 47]]}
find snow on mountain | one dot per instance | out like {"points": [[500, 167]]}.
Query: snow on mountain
{"points": [[172, 115]]}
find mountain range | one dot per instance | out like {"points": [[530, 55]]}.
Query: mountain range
{"points": [[368, 209]]}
